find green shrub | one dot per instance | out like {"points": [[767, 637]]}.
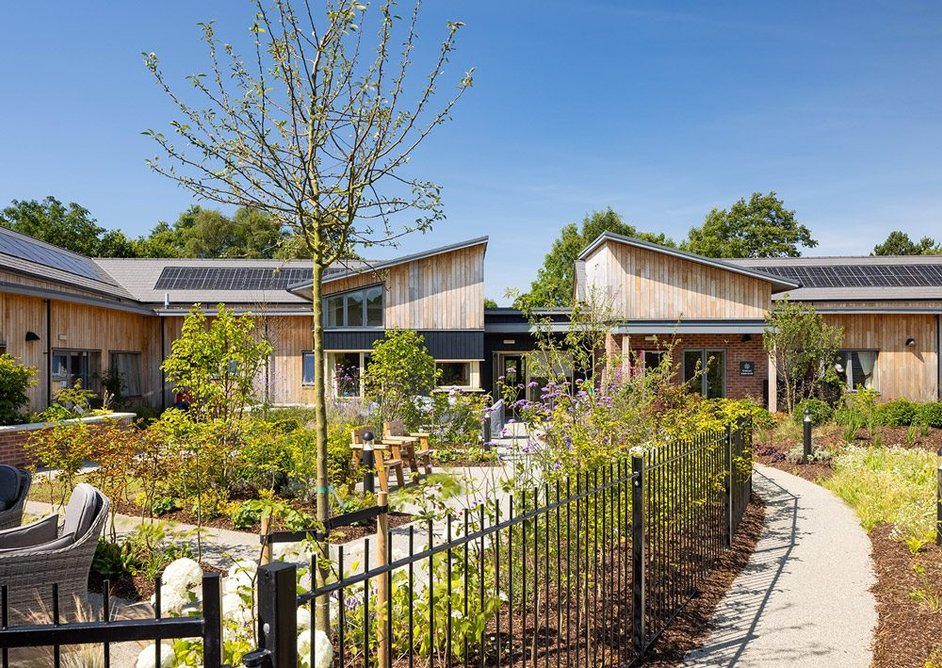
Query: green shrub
{"points": [[245, 515], [730, 410], [930, 414], [820, 411], [898, 413], [15, 380]]}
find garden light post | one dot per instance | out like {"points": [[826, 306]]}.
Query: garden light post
{"points": [[807, 435], [369, 463]]}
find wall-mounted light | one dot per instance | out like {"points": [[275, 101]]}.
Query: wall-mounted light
{"points": [[910, 342], [32, 336], [746, 338]]}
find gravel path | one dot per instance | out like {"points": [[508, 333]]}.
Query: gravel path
{"points": [[804, 598]]}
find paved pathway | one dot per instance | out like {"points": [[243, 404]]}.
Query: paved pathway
{"points": [[804, 598]]}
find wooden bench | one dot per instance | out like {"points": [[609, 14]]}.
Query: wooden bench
{"points": [[388, 457], [395, 432]]}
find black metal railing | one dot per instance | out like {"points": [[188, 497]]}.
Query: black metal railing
{"points": [[24, 635], [587, 571]]}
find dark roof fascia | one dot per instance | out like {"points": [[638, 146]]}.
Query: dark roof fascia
{"points": [[237, 309], [385, 264], [777, 282], [46, 293]]}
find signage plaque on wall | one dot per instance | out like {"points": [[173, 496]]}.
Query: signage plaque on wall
{"points": [[747, 368]]}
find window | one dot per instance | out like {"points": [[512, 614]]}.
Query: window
{"points": [[855, 368], [359, 308], [69, 366], [454, 374], [652, 359], [705, 371], [344, 372], [127, 367], [307, 368]]}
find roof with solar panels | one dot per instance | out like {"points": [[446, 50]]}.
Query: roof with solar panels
{"points": [[915, 277]]}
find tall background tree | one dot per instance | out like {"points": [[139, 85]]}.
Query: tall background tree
{"points": [[760, 227], [554, 280], [316, 127], [68, 226], [899, 243]]}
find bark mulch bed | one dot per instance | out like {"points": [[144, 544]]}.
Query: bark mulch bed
{"points": [[909, 595], [692, 626]]}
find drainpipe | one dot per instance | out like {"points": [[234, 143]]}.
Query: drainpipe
{"points": [[48, 352], [938, 355], [163, 357]]}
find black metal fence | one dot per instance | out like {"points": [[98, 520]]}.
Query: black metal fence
{"points": [[25, 634], [588, 571]]}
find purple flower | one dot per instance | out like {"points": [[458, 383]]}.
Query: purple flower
{"points": [[557, 465], [533, 383], [568, 441]]}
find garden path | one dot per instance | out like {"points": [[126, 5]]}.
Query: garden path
{"points": [[804, 598]]}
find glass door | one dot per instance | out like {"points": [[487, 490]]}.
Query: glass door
{"points": [[705, 371]]}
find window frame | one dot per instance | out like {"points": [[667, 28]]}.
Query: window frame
{"points": [[705, 353], [139, 367], [469, 364], [848, 384], [91, 376], [345, 296]]}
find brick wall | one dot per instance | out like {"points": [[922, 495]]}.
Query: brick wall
{"points": [[12, 438], [737, 350]]}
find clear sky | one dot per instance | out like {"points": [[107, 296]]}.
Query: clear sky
{"points": [[661, 110]]}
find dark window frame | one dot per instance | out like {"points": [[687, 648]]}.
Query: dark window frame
{"points": [[364, 307]]}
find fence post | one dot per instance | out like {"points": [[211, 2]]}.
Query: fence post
{"points": [[638, 583], [938, 502], [383, 640], [266, 545], [369, 463], [212, 621], [728, 478], [806, 437], [278, 613]]}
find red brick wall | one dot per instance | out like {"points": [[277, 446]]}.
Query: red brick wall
{"points": [[13, 439], [737, 350]]}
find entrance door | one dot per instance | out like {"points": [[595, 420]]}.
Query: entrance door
{"points": [[511, 372], [705, 370]]}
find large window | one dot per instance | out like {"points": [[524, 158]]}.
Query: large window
{"points": [[359, 308], [71, 366], [344, 372], [705, 372], [855, 368], [454, 374], [127, 367]]}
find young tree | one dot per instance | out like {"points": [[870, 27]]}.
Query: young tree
{"points": [[316, 127], [899, 243], [554, 280], [761, 227], [217, 363], [804, 347], [400, 369]]}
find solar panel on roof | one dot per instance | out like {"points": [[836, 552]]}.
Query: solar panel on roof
{"points": [[230, 278], [861, 275], [31, 250]]}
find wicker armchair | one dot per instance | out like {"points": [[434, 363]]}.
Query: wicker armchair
{"points": [[34, 556], [14, 486]]}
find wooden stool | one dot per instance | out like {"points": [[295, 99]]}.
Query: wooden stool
{"points": [[394, 432]]}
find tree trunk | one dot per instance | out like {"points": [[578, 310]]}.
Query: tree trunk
{"points": [[322, 613]]}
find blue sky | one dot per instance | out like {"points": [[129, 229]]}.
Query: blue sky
{"points": [[659, 110]]}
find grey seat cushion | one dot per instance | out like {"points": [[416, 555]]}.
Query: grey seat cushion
{"points": [[55, 544], [10, 483], [40, 531], [82, 510]]}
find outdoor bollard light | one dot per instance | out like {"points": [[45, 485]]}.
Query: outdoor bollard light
{"points": [[369, 462], [938, 500], [807, 435]]}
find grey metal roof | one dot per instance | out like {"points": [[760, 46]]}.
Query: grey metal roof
{"points": [[916, 277], [141, 275], [23, 254], [779, 284], [304, 288]]}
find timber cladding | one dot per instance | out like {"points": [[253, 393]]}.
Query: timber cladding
{"points": [[901, 372], [643, 284], [444, 291]]}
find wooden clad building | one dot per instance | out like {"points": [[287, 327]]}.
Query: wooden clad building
{"points": [[76, 318]]}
